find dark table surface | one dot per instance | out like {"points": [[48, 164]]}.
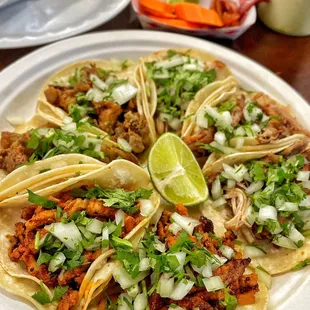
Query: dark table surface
{"points": [[288, 57]]}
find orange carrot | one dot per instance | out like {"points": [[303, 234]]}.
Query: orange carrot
{"points": [[156, 13], [230, 19], [191, 12], [178, 23], [161, 8]]}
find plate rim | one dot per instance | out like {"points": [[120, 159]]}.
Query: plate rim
{"points": [[27, 41]]}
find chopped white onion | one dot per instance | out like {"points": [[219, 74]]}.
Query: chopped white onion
{"points": [[105, 234], [165, 286], [305, 202], [181, 289], [165, 117], [296, 236], [219, 262], [256, 129], [235, 173], [303, 176], [175, 124], [164, 74], [213, 284], [174, 307], [223, 148], [98, 82], [227, 251], [69, 127], [216, 189], [239, 142], [174, 228], [267, 212], [225, 119], [251, 215], [191, 67], [284, 242], [239, 132], [306, 184], [289, 206], [279, 202], [253, 252], [67, 233], [140, 302], [122, 304], [254, 187], [231, 183], [123, 93], [120, 217], [144, 264], [220, 137], [219, 202], [170, 63], [146, 207], [264, 276], [187, 223], [121, 276], [95, 226], [133, 291], [201, 120], [207, 270], [180, 256], [159, 246], [56, 262], [124, 145]]}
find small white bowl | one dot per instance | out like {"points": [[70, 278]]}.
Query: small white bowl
{"points": [[225, 32]]}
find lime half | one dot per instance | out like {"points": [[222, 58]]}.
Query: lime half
{"points": [[175, 172]]}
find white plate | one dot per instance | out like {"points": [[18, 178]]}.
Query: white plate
{"points": [[35, 22], [20, 84]]}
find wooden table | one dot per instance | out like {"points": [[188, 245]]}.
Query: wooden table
{"points": [[289, 57]]}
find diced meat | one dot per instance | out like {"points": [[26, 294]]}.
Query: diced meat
{"points": [[14, 152], [108, 113], [60, 96], [155, 301], [205, 226], [28, 212], [69, 300], [82, 87], [73, 277], [134, 130], [129, 223], [232, 270], [43, 218], [181, 209], [72, 206], [189, 303], [96, 208]]}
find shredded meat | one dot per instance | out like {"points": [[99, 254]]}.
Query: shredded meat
{"points": [[181, 209], [268, 135], [43, 218], [114, 153], [193, 302], [237, 111], [69, 300], [204, 136], [13, 150], [205, 226]]}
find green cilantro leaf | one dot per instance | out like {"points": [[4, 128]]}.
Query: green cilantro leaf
{"points": [[40, 201], [41, 297], [302, 264], [59, 292]]}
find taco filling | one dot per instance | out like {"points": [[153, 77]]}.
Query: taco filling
{"points": [[59, 237], [269, 197], [183, 265], [102, 99], [225, 128], [42, 143], [178, 77]]}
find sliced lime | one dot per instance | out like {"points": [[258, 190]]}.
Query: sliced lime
{"points": [[175, 172]]}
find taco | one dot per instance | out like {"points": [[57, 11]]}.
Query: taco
{"points": [[175, 83], [58, 240], [233, 120], [105, 98], [181, 264], [264, 197]]}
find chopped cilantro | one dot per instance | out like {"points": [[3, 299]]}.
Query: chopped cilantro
{"points": [[59, 292], [226, 106], [41, 297], [302, 264], [40, 201], [230, 302], [116, 198], [43, 258]]}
